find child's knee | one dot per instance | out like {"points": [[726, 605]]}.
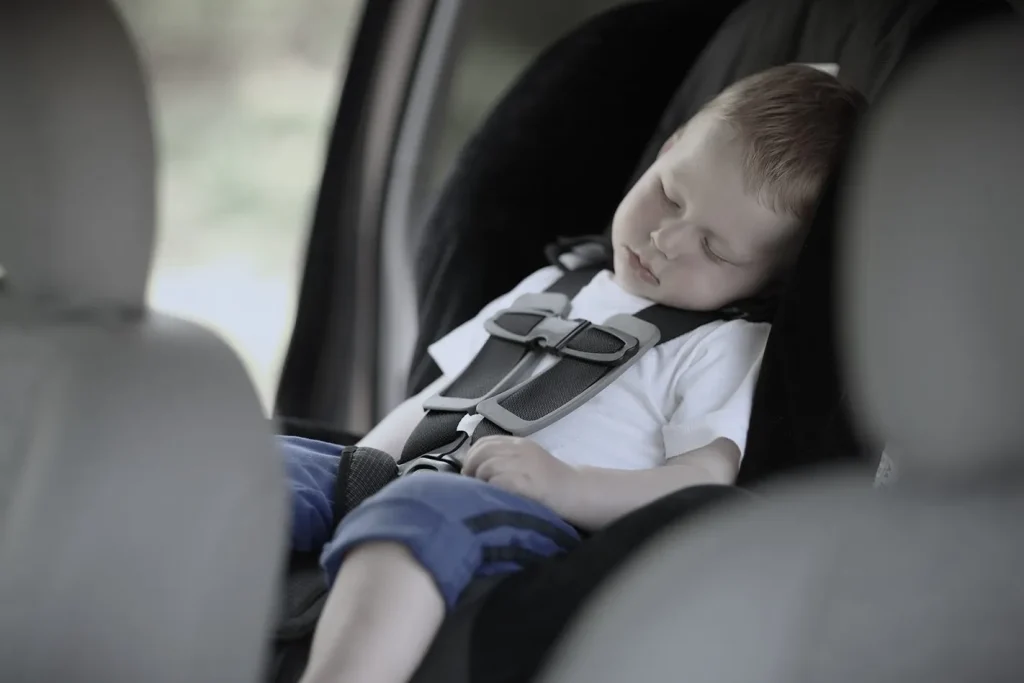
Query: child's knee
{"points": [[413, 515], [425, 486]]}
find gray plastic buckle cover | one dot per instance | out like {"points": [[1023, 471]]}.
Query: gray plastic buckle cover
{"points": [[545, 304], [646, 337]]}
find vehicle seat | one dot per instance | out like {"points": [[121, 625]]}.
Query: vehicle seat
{"points": [[827, 581], [142, 505]]}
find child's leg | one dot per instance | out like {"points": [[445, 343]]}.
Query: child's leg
{"points": [[379, 618], [312, 468], [432, 533]]}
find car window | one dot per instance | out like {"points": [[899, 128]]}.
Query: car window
{"points": [[243, 94]]}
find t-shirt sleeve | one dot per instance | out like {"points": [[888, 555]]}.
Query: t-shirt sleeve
{"points": [[717, 388], [455, 350]]}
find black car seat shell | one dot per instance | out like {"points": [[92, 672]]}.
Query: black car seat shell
{"points": [[142, 504]]}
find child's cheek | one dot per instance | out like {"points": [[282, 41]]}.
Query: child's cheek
{"points": [[649, 214]]}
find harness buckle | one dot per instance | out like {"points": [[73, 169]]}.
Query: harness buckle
{"points": [[554, 333], [430, 463]]}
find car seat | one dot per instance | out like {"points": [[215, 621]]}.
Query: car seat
{"points": [[518, 184], [801, 417], [829, 582], [142, 505]]}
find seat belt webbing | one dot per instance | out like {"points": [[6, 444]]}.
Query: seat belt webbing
{"points": [[494, 361]]}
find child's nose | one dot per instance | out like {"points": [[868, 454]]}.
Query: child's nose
{"points": [[671, 240]]}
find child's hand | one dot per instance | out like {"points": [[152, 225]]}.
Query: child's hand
{"points": [[522, 467]]}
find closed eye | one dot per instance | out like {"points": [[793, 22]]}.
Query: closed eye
{"points": [[710, 253], [667, 199]]}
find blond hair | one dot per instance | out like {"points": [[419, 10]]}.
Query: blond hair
{"points": [[793, 122]]}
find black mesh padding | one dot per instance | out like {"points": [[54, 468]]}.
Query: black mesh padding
{"points": [[361, 473], [563, 382], [594, 340], [496, 359], [436, 430]]}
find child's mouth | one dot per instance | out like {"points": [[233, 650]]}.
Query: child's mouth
{"points": [[642, 269]]}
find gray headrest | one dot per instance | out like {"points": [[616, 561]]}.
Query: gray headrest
{"points": [[76, 155], [934, 242]]}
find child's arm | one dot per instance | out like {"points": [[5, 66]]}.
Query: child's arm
{"points": [[393, 431], [593, 497], [599, 496]]}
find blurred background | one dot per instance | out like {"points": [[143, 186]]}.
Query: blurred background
{"points": [[244, 94]]}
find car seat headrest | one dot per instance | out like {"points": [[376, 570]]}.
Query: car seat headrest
{"points": [[934, 233], [76, 156]]}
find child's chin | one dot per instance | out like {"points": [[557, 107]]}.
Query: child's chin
{"points": [[637, 287], [623, 279]]}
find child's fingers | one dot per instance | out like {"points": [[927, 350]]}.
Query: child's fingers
{"points": [[486, 470], [482, 451], [497, 464]]}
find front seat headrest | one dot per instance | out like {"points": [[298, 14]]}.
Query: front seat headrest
{"points": [[66, 102], [142, 501], [822, 581], [932, 273]]}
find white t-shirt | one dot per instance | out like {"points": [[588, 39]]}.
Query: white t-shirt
{"points": [[679, 396]]}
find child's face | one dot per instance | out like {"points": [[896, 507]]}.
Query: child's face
{"points": [[688, 235]]}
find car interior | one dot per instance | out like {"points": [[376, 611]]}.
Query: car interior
{"points": [[871, 534]]}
